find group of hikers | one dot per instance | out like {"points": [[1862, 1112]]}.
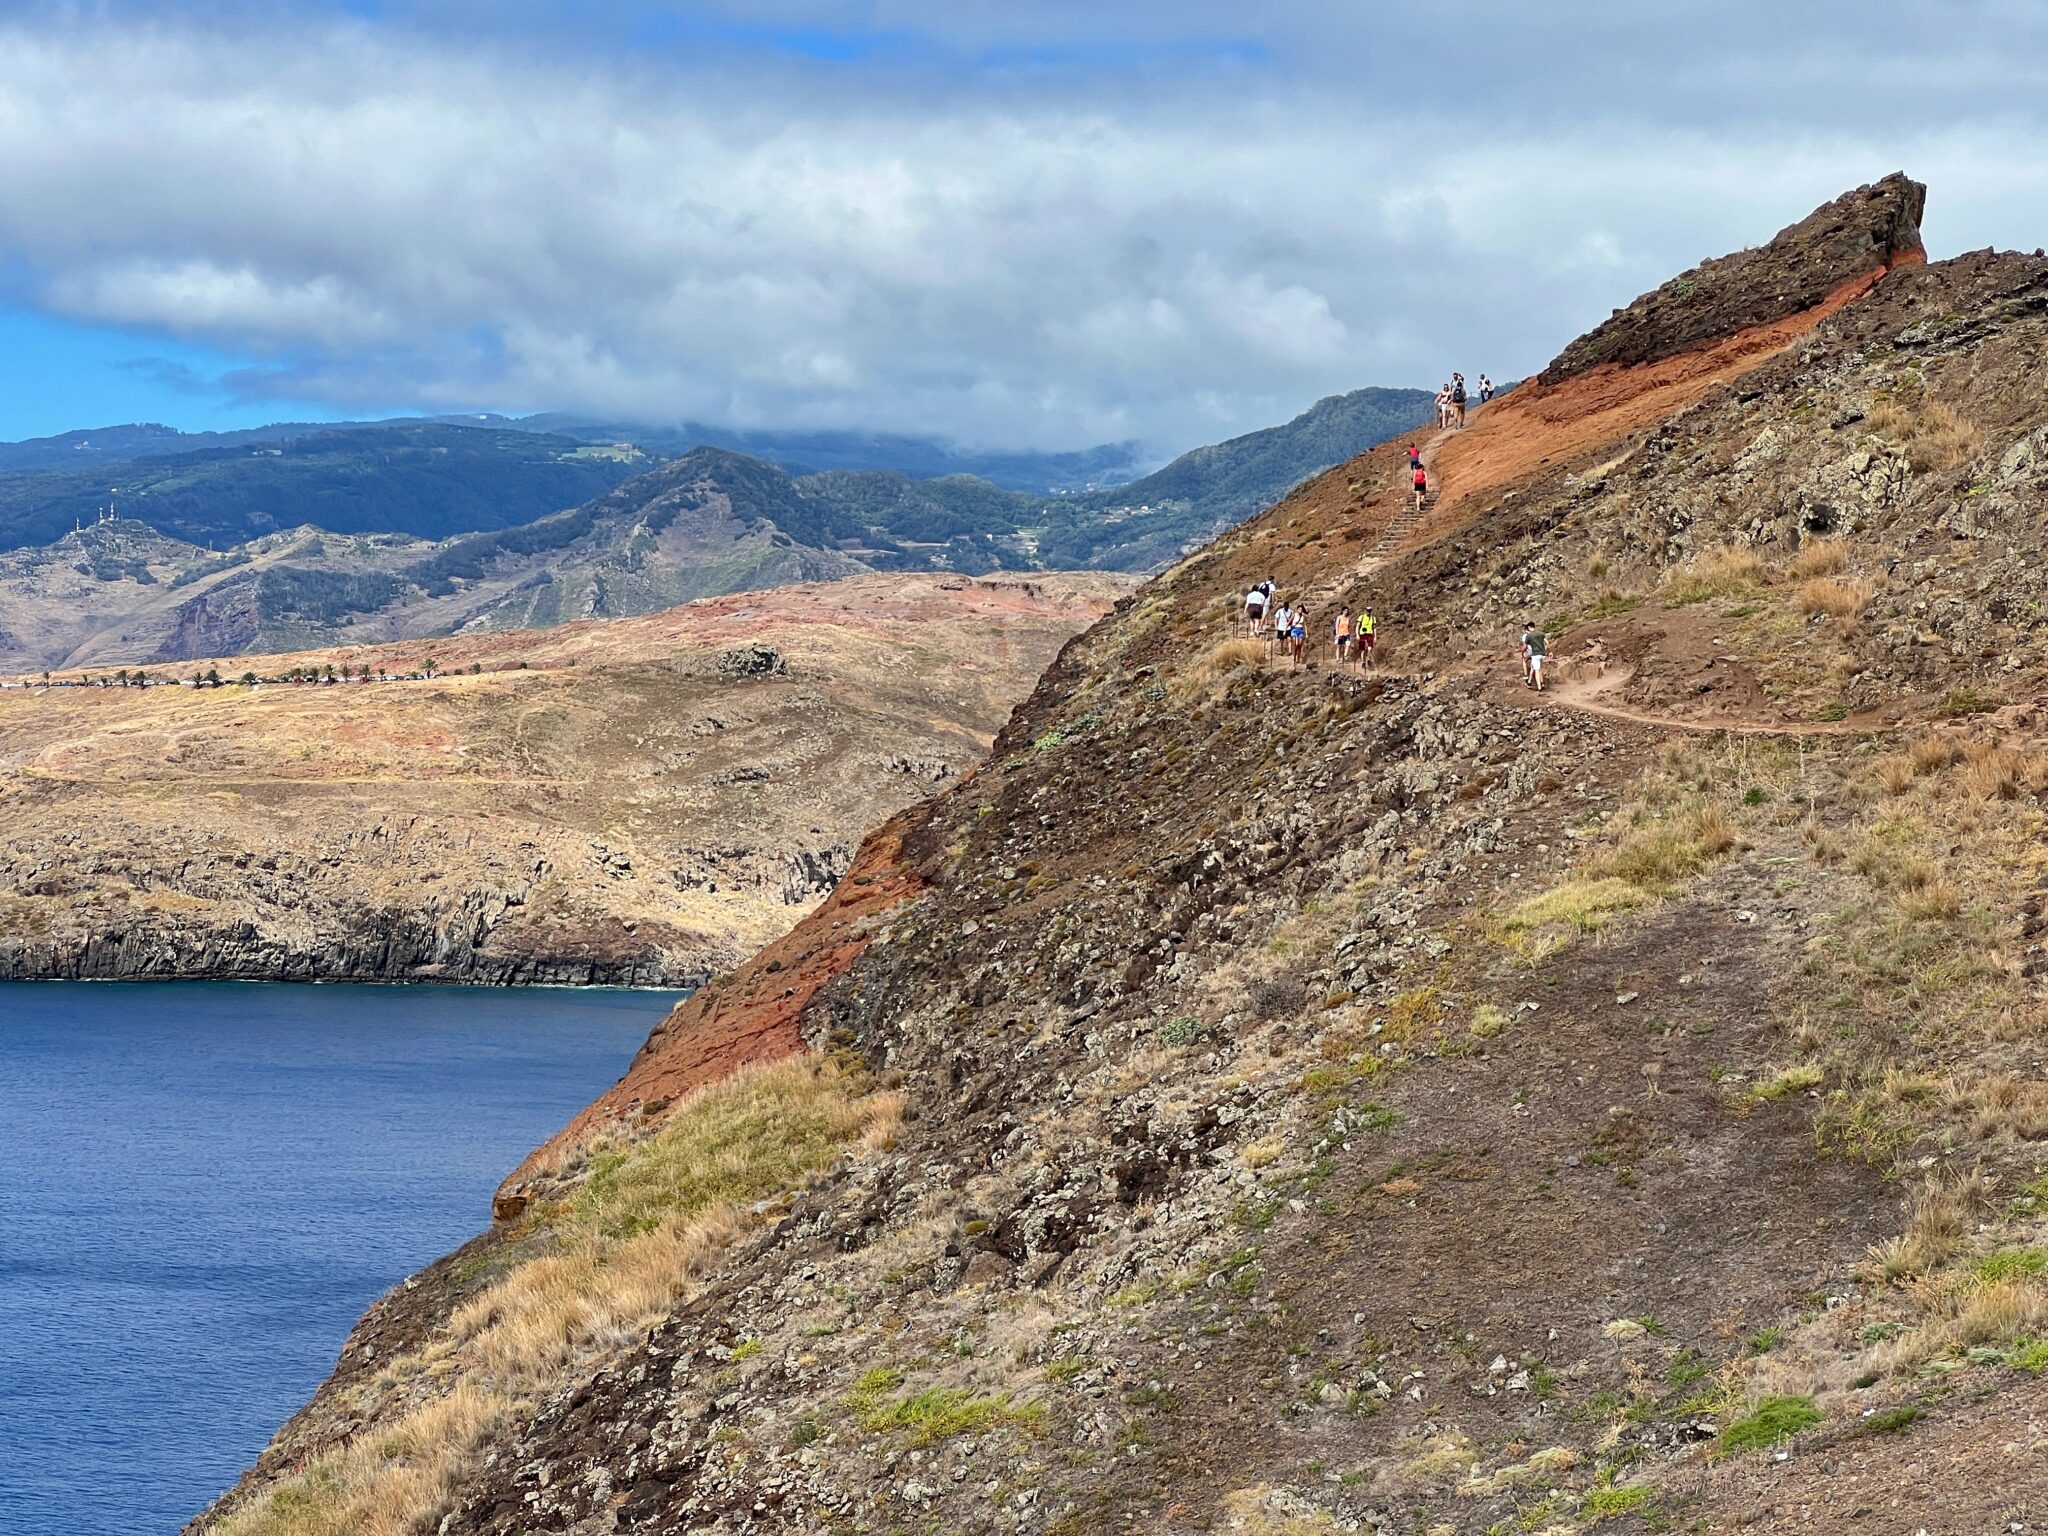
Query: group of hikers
{"points": [[1453, 397], [1353, 637]]}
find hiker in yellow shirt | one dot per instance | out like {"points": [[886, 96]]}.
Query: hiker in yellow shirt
{"points": [[1367, 636]]}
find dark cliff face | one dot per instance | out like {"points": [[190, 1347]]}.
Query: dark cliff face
{"points": [[1859, 235], [1348, 1102]]}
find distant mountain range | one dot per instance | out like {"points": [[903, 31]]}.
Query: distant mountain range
{"points": [[365, 534], [921, 458]]}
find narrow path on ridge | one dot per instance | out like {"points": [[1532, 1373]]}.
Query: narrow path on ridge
{"points": [[1584, 695]]}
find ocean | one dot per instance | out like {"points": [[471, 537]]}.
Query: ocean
{"points": [[203, 1185]]}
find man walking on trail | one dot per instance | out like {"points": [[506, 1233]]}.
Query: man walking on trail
{"points": [[1255, 609], [1458, 397], [1485, 389], [1368, 637], [1340, 635], [1533, 644], [1282, 621]]}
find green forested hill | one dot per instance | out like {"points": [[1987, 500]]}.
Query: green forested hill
{"points": [[432, 480], [1209, 488]]}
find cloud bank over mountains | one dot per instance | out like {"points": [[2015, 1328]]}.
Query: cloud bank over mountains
{"points": [[1052, 226]]}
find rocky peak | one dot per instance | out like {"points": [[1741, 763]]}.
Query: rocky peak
{"points": [[1858, 237]]}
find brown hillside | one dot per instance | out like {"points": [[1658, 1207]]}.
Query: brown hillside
{"points": [[642, 800], [1300, 1101]]}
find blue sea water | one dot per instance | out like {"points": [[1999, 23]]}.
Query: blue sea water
{"points": [[202, 1186]]}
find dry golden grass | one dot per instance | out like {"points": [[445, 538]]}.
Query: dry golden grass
{"points": [[1937, 1231], [1433, 1458], [1933, 900], [1967, 1308], [1895, 773], [650, 1218], [1931, 754], [2000, 1104], [1999, 1312], [1583, 905], [1263, 1154], [1932, 437], [1723, 572], [2000, 773], [394, 1483], [1222, 661], [1262, 1511], [1818, 557], [1839, 599]]}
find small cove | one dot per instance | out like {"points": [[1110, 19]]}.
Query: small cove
{"points": [[203, 1185]]}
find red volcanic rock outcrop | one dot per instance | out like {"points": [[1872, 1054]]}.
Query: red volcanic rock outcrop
{"points": [[1859, 236], [740, 1020]]}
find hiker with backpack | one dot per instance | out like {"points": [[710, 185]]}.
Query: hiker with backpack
{"points": [[1458, 398], [1367, 629], [1421, 485]]}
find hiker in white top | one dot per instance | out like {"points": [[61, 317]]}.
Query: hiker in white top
{"points": [[1254, 609], [1282, 619]]}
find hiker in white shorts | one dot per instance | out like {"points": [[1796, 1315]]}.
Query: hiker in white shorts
{"points": [[1533, 643]]}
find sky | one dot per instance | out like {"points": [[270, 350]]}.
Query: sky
{"points": [[1046, 225]]}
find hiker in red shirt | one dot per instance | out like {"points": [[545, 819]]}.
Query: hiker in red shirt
{"points": [[1421, 485]]}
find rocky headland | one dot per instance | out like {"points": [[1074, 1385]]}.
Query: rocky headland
{"points": [[635, 802], [1308, 1101]]}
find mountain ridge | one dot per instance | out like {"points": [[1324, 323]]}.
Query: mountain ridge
{"points": [[83, 448], [123, 593]]}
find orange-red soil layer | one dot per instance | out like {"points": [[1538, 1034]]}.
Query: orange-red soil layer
{"points": [[749, 1017]]}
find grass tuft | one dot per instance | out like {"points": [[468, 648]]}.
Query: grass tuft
{"points": [[1728, 571], [1819, 557], [940, 1413], [1932, 438], [1221, 662], [1837, 599], [1770, 1422]]}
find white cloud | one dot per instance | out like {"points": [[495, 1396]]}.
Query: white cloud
{"points": [[198, 297], [415, 217]]}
